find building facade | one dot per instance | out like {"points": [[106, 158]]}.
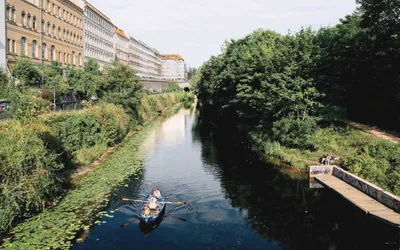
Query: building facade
{"points": [[99, 36], [45, 31], [174, 68], [144, 60], [121, 46]]}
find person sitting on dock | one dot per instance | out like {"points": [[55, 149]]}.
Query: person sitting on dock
{"points": [[153, 203], [157, 193]]}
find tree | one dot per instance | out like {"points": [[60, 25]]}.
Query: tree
{"points": [[191, 72], [121, 86], [25, 71]]}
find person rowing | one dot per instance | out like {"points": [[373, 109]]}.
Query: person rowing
{"points": [[153, 203], [157, 193]]}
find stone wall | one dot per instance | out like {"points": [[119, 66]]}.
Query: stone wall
{"points": [[156, 86]]}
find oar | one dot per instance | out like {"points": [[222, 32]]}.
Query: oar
{"points": [[129, 222], [166, 202]]}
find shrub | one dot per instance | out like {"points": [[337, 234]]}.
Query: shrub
{"points": [[379, 162], [74, 130], [114, 122], [295, 132], [27, 173]]}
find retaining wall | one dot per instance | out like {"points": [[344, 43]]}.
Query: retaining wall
{"points": [[386, 198]]}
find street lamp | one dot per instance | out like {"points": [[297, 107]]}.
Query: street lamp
{"points": [[54, 95]]}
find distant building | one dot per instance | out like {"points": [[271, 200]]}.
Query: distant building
{"points": [[45, 31], [145, 60], [99, 36], [121, 46], [173, 67]]}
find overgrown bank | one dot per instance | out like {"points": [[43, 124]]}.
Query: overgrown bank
{"points": [[38, 156], [290, 93]]}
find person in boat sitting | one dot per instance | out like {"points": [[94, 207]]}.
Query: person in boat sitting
{"points": [[157, 193], [153, 203]]}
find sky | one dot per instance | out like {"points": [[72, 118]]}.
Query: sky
{"points": [[196, 29]]}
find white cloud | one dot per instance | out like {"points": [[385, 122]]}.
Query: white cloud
{"points": [[196, 29]]}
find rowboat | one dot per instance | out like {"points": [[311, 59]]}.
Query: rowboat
{"points": [[152, 216]]}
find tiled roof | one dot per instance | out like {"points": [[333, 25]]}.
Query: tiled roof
{"points": [[120, 32], [175, 57]]}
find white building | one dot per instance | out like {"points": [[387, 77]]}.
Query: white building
{"points": [[173, 67], [121, 46], [3, 62], [99, 36], [145, 60]]}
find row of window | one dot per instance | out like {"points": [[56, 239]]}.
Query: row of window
{"points": [[62, 57], [100, 31], [95, 18], [30, 22], [63, 14], [98, 41]]}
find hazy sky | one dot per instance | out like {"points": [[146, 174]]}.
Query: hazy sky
{"points": [[196, 29]]}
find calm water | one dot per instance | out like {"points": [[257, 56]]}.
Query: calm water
{"points": [[237, 201]]}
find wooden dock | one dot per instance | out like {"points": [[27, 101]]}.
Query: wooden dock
{"points": [[360, 199]]}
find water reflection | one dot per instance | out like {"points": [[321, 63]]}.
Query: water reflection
{"points": [[281, 208]]}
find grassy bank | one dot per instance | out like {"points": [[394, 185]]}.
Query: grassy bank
{"points": [[55, 228], [363, 154], [39, 155]]}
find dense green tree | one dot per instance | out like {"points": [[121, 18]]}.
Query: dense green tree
{"points": [[25, 71], [121, 86]]}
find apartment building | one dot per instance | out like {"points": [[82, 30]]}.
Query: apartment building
{"points": [[99, 36], [45, 31], [173, 67], [121, 46], [145, 60]]}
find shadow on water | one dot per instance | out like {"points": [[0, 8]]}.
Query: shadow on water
{"points": [[281, 208]]}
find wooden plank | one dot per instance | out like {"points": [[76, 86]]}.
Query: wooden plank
{"points": [[359, 199]]}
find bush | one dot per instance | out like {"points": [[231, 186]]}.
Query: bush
{"points": [[295, 133], [27, 173], [74, 130], [114, 122], [378, 162]]}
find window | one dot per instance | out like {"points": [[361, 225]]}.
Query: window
{"points": [[73, 57], [65, 58], [44, 52], [68, 61], [52, 53], [13, 48], [59, 32], [48, 28], [54, 30], [34, 22], [79, 59], [23, 46], [13, 14], [23, 21], [59, 11], [59, 56], [8, 45], [34, 47], [8, 13], [63, 15], [42, 28], [54, 8], [48, 5], [28, 21]]}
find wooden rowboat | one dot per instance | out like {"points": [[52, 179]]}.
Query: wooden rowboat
{"points": [[152, 216]]}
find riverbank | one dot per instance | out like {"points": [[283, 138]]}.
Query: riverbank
{"points": [[55, 228]]}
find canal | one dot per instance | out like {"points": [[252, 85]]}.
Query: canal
{"points": [[236, 201]]}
